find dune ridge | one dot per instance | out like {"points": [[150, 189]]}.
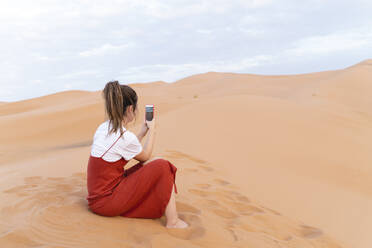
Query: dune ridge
{"points": [[273, 161]]}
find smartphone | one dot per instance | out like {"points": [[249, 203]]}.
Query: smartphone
{"points": [[149, 112]]}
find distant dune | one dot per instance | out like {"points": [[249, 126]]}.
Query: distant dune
{"points": [[264, 161]]}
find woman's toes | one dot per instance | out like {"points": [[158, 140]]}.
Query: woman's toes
{"points": [[179, 224], [182, 224]]}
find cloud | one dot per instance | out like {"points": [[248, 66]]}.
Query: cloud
{"points": [[36, 81], [43, 58], [79, 74], [173, 72], [104, 50], [204, 31], [333, 42], [172, 10]]}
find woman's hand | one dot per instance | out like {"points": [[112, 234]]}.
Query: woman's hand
{"points": [[143, 131], [144, 128], [150, 124]]}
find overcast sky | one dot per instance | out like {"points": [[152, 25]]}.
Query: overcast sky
{"points": [[48, 46]]}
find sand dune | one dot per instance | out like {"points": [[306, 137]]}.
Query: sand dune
{"points": [[278, 161]]}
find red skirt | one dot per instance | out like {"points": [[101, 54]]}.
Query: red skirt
{"points": [[142, 191]]}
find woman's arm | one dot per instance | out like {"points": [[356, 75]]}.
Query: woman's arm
{"points": [[142, 132], [147, 148]]}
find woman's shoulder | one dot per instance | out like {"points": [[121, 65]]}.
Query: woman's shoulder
{"points": [[102, 126], [102, 130], [128, 135]]}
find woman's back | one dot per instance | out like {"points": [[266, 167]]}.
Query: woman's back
{"points": [[109, 154], [128, 145]]}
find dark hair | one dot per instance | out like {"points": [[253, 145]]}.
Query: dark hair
{"points": [[118, 97]]}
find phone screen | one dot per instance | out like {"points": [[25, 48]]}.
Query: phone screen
{"points": [[149, 112]]}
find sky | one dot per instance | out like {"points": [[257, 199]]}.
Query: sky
{"points": [[49, 46]]}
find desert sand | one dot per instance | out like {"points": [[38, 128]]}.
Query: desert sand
{"points": [[263, 161]]}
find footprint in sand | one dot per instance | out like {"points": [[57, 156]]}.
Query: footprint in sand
{"points": [[223, 195], [231, 208], [178, 154], [203, 185], [216, 208], [245, 209], [184, 207], [211, 203], [199, 192], [225, 213], [216, 194], [33, 179], [271, 210], [242, 198], [206, 168], [310, 232], [279, 227], [221, 181], [202, 164]]}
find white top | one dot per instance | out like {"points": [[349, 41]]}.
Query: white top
{"points": [[128, 146]]}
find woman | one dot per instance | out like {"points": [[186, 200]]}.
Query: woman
{"points": [[146, 190]]}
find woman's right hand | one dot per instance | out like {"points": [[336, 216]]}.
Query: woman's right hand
{"points": [[151, 124]]}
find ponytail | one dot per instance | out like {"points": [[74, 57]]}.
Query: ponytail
{"points": [[117, 99]]}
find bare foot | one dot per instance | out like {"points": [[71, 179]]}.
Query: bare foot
{"points": [[179, 224]]}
